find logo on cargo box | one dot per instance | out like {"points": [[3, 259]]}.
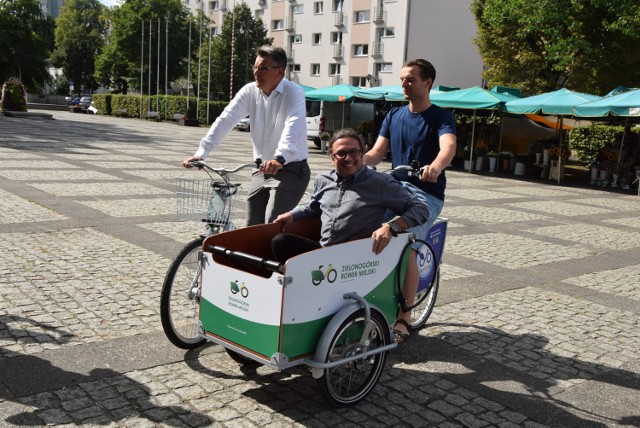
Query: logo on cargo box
{"points": [[242, 289]]}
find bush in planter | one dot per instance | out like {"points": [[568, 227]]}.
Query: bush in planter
{"points": [[589, 141], [13, 97]]}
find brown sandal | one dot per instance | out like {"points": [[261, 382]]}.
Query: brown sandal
{"points": [[401, 336]]}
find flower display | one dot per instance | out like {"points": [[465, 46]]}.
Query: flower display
{"points": [[556, 153], [607, 154]]}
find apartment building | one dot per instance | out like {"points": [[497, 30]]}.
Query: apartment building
{"points": [[365, 42], [51, 7]]}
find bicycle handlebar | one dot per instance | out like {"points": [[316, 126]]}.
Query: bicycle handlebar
{"points": [[202, 164], [412, 170]]}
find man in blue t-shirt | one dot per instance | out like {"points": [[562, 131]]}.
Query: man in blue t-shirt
{"points": [[424, 132]]}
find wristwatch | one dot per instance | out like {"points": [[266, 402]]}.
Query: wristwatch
{"points": [[280, 159], [395, 227]]}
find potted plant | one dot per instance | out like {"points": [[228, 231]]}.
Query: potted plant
{"points": [[493, 160], [324, 140]]}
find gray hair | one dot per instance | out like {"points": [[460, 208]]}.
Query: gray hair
{"points": [[278, 55]]}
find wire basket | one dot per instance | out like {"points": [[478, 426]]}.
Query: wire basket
{"points": [[205, 200]]}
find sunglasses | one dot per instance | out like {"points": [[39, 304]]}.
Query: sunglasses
{"points": [[342, 154]]}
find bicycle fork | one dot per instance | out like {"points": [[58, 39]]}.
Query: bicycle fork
{"points": [[195, 282]]}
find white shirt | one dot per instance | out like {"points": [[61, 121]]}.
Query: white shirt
{"points": [[278, 122]]}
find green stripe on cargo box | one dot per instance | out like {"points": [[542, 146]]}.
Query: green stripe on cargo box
{"points": [[258, 337]]}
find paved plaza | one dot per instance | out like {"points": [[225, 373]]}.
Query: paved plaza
{"points": [[537, 321]]}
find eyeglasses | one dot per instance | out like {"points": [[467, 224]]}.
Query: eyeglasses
{"points": [[262, 68], [342, 154]]}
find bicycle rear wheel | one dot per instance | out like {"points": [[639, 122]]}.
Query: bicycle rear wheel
{"points": [[420, 314], [179, 300]]}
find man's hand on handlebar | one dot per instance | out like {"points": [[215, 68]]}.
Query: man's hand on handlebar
{"points": [[429, 173], [270, 167], [187, 163]]}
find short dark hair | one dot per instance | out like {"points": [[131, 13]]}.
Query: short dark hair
{"points": [[278, 55], [347, 133], [427, 70]]}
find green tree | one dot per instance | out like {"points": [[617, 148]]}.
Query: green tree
{"points": [[79, 38], [118, 66], [25, 36], [584, 45], [248, 35]]}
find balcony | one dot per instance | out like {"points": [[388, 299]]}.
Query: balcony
{"points": [[378, 50], [340, 19], [290, 54], [222, 5], [290, 24], [338, 51], [336, 80], [379, 15]]}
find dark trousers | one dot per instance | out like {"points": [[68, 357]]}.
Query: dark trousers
{"points": [[286, 245], [271, 195]]}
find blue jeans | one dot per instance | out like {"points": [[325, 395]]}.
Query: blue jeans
{"points": [[433, 204]]}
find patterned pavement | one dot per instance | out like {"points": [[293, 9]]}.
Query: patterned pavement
{"points": [[536, 324]]}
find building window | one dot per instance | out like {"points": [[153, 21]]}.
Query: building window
{"points": [[295, 38], [384, 67], [215, 31], [315, 69], [294, 68], [214, 5], [334, 69], [359, 81], [361, 16], [388, 32], [299, 8], [337, 5], [336, 38], [318, 7], [360, 50], [277, 24], [316, 38]]}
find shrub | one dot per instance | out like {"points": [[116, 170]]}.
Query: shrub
{"points": [[589, 141], [13, 97]]}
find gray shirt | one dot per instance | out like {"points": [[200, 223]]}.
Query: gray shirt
{"points": [[354, 208]]}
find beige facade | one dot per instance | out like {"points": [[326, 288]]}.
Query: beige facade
{"points": [[365, 42]]}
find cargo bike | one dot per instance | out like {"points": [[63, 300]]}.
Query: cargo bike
{"points": [[330, 309]]}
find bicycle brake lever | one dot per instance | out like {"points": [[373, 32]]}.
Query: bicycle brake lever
{"points": [[258, 163]]}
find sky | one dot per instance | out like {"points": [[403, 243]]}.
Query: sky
{"points": [[108, 2]]}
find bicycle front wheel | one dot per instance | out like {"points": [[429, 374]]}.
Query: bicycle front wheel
{"points": [[179, 300], [427, 298], [350, 383]]}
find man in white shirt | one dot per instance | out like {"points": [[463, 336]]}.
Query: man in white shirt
{"points": [[279, 134]]}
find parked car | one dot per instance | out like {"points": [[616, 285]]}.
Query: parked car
{"points": [[72, 101], [85, 102], [244, 125]]}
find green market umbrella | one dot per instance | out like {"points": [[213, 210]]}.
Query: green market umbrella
{"points": [[306, 88], [624, 104], [559, 103], [335, 93], [475, 98]]}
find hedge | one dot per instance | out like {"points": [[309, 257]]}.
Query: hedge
{"points": [[130, 106]]}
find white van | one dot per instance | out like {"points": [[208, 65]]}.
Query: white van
{"points": [[330, 116], [315, 121]]}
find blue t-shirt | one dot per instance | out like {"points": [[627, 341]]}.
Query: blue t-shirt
{"points": [[416, 136]]}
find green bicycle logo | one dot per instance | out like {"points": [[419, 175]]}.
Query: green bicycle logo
{"points": [[242, 289], [330, 274]]}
